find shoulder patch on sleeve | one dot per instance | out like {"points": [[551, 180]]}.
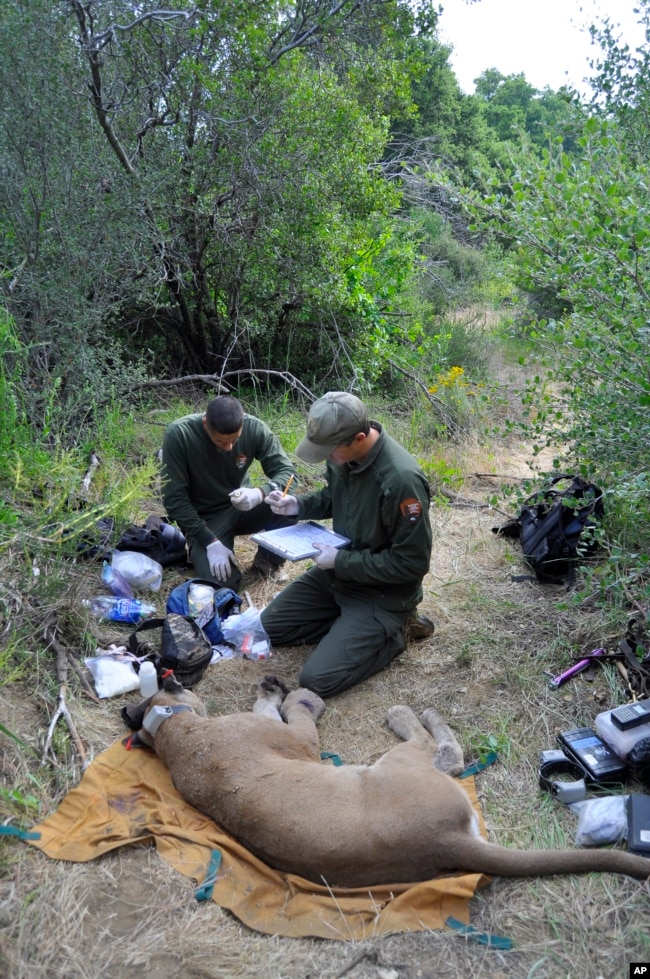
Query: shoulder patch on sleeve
{"points": [[411, 509]]}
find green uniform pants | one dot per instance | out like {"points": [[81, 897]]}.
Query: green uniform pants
{"points": [[232, 523], [355, 638]]}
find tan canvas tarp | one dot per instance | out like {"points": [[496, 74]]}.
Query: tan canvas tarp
{"points": [[127, 797]]}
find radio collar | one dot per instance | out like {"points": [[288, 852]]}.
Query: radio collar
{"points": [[157, 715], [565, 792]]}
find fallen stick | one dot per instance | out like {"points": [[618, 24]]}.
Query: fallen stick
{"points": [[83, 680], [460, 501], [499, 476], [61, 707], [62, 711]]}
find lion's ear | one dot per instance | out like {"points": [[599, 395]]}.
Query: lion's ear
{"points": [[172, 685], [133, 714]]}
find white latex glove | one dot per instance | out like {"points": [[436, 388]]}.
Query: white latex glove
{"points": [[246, 498], [326, 557], [287, 506], [219, 558]]}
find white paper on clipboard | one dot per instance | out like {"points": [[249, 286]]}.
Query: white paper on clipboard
{"points": [[297, 543]]}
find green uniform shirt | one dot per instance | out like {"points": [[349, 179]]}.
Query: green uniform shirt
{"points": [[197, 476], [382, 505]]}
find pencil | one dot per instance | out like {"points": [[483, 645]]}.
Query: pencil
{"points": [[286, 488]]}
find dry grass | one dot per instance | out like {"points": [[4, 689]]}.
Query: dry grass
{"points": [[128, 912]]}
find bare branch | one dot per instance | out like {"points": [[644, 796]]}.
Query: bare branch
{"points": [[210, 379], [217, 380], [62, 711], [91, 44], [285, 376], [98, 41], [95, 86], [303, 36]]}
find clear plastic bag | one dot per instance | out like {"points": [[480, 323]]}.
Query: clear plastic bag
{"points": [[200, 602], [139, 570], [247, 634], [601, 820], [113, 671]]}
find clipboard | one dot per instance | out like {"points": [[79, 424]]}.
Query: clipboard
{"points": [[297, 543]]}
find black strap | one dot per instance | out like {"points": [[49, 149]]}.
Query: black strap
{"points": [[138, 637]]}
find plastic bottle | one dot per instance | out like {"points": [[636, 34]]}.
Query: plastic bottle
{"points": [[119, 609], [116, 582], [148, 679]]}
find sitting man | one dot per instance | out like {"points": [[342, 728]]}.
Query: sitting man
{"points": [[358, 603], [207, 492]]}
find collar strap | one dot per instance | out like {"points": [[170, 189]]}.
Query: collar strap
{"points": [[565, 791], [157, 715]]}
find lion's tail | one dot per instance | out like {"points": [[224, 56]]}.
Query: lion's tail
{"points": [[473, 854]]}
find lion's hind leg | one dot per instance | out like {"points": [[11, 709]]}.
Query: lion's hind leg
{"points": [[403, 722]]}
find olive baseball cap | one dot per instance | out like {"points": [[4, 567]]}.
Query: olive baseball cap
{"points": [[333, 419]]}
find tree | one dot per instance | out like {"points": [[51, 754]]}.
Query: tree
{"points": [[446, 123], [621, 82], [264, 163], [62, 222], [209, 208], [513, 107]]}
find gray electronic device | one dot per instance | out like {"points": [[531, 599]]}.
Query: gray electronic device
{"points": [[631, 715]]}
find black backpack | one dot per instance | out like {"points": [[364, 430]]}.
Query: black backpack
{"points": [[549, 526]]}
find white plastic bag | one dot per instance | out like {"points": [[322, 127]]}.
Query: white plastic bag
{"points": [[113, 671], [247, 634], [139, 570], [600, 821], [221, 652]]}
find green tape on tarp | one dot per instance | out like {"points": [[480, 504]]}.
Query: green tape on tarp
{"points": [[491, 941], [205, 889], [22, 834], [478, 766]]}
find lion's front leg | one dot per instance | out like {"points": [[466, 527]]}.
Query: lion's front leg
{"points": [[301, 709], [270, 694]]}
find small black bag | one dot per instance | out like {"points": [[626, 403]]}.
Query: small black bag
{"points": [[550, 524], [152, 542], [174, 643]]}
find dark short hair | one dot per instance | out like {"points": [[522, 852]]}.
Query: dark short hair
{"points": [[365, 429], [224, 414]]}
